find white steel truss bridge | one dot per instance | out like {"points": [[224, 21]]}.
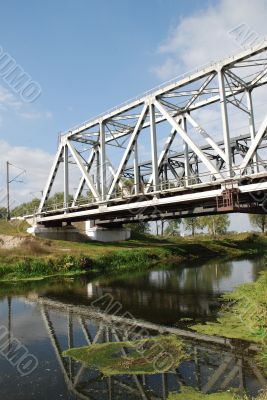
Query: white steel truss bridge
{"points": [[194, 146]]}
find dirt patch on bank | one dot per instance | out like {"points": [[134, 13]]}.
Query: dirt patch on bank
{"points": [[25, 245], [10, 242]]}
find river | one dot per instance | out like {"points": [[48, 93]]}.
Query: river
{"points": [[49, 317]]}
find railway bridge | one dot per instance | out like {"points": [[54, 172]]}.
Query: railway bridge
{"points": [[193, 146]]}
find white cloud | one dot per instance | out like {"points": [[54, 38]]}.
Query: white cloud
{"points": [[167, 69], [32, 115], [204, 36], [8, 100], [36, 162], [10, 103]]}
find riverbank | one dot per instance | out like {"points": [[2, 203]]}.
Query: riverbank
{"points": [[32, 258], [244, 317]]}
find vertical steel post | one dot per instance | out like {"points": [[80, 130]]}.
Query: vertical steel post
{"points": [[165, 178], [66, 175], [98, 186], [225, 124], [252, 129], [103, 166], [136, 170], [154, 153], [186, 157], [7, 192]]}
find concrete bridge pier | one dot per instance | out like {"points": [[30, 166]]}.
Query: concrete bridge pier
{"points": [[109, 234], [69, 232], [60, 232]]}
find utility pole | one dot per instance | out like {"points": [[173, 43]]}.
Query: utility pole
{"points": [[8, 181], [7, 191]]}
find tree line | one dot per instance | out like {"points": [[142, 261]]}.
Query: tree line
{"points": [[213, 224]]}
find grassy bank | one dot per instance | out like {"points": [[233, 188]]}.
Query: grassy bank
{"points": [[38, 258], [244, 316]]}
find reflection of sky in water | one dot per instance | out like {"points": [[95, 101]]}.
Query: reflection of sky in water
{"points": [[242, 272], [26, 318], [217, 277]]}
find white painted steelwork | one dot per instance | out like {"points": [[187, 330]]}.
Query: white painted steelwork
{"points": [[197, 170]]}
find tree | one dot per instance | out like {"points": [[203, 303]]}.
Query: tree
{"points": [[3, 212], [173, 227], [192, 224], [26, 208], [32, 206], [160, 226], [216, 224], [58, 199], [138, 228], [259, 221]]}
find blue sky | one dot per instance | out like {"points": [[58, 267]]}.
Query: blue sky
{"points": [[88, 56]]}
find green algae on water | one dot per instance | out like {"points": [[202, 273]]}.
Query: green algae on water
{"points": [[189, 393], [144, 356]]}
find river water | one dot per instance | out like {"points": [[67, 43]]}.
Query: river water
{"points": [[49, 317]]}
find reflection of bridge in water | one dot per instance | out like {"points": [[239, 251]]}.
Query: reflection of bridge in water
{"points": [[215, 363]]}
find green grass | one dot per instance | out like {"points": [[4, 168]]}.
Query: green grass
{"points": [[15, 227], [244, 316], [31, 268], [145, 356], [39, 258]]}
